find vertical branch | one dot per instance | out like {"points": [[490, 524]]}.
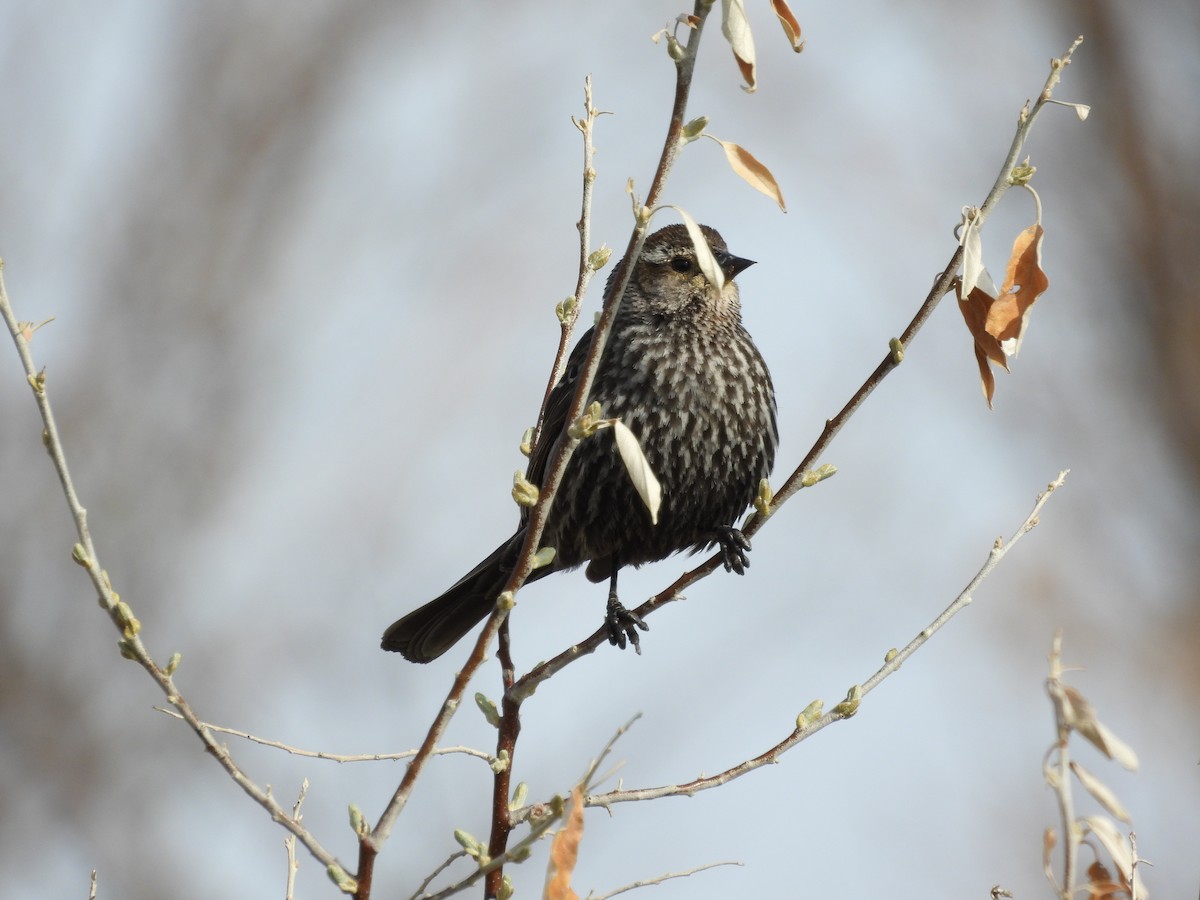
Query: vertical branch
{"points": [[502, 821], [510, 724], [568, 311], [1059, 776]]}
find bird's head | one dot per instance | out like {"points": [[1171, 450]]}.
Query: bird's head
{"points": [[669, 281]]}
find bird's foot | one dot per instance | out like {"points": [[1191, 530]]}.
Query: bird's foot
{"points": [[734, 546], [622, 624]]}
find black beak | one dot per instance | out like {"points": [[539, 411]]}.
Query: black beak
{"points": [[733, 265]]}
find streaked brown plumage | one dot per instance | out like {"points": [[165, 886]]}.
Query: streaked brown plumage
{"points": [[681, 371]]}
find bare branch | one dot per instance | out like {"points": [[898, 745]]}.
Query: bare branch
{"points": [[661, 878], [130, 644], [289, 844], [334, 757], [589, 263], [807, 726]]}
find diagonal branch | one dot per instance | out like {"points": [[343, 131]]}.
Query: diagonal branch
{"points": [[130, 644], [942, 285], [809, 723]]}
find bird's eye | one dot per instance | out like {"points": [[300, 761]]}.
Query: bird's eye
{"points": [[681, 264]]}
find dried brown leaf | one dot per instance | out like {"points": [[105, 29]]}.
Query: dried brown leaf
{"points": [[974, 310], [987, 378], [1100, 884], [791, 27], [1024, 282], [754, 173], [564, 852]]}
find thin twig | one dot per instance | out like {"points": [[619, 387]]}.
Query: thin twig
{"points": [[130, 644], [660, 879], [517, 851], [1059, 776], [420, 892], [334, 757], [1133, 869], [289, 843], [802, 473], [543, 814], [570, 311]]}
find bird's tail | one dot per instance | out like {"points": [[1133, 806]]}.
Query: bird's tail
{"points": [[426, 633]]}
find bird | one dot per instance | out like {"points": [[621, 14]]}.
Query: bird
{"points": [[681, 371]]}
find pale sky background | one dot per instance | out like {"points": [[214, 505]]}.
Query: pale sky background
{"points": [[304, 264]]}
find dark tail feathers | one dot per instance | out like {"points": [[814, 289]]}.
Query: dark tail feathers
{"points": [[426, 633]]}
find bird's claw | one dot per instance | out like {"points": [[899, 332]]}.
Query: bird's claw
{"points": [[622, 624], [734, 546]]}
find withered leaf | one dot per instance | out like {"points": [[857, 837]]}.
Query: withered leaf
{"points": [[736, 28], [1101, 791], [791, 27], [564, 851], [1024, 282], [753, 172], [974, 309]]}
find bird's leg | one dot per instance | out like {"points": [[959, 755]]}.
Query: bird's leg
{"points": [[620, 622], [734, 545]]}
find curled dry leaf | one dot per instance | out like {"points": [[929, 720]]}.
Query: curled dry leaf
{"points": [[564, 852], [1080, 715], [1101, 792], [787, 19], [638, 467], [1101, 886], [997, 319], [736, 28], [754, 173], [974, 308], [1024, 282]]}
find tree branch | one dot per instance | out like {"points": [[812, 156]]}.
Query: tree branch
{"points": [[130, 644]]}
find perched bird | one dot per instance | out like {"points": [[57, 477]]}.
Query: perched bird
{"points": [[681, 371]]}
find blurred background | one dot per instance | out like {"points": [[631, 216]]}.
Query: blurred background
{"points": [[304, 268]]}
